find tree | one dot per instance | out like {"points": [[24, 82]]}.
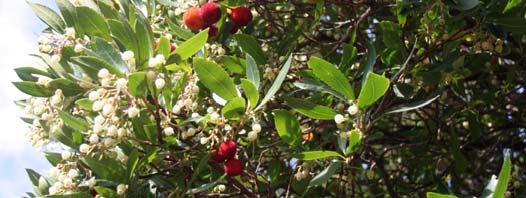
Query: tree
{"points": [[160, 98]]}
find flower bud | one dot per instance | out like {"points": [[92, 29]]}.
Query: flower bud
{"points": [[339, 119], [66, 155], [121, 189], [159, 83], [252, 135], [168, 131], [128, 56], [121, 84], [353, 109], [93, 139], [103, 73], [256, 128], [84, 148], [78, 48], [133, 112], [70, 33]]}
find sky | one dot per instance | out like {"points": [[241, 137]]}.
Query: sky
{"points": [[19, 32]]}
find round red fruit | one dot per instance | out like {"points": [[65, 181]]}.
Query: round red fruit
{"points": [[217, 158], [212, 31], [172, 47], [233, 167], [227, 149], [192, 19], [234, 29], [241, 16], [210, 12]]}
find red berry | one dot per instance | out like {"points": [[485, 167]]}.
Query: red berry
{"points": [[227, 149], [172, 47], [210, 12], [217, 158], [234, 29], [212, 31], [192, 19], [241, 16], [233, 167]]}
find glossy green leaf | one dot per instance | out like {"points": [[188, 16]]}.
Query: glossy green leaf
{"points": [[68, 13], [252, 70], [511, 4], [250, 45], [93, 23], [315, 155], [234, 108], [437, 195], [28, 73], [94, 64], [191, 46], [68, 87], [215, 78], [53, 158], [288, 127], [251, 93], [105, 51], [311, 84], [310, 110], [331, 76], [373, 89], [48, 16], [391, 34], [33, 89], [180, 32], [412, 106], [468, 4], [106, 168], [325, 174], [105, 192], [368, 63], [163, 47], [355, 139], [277, 83], [234, 64], [137, 84], [504, 177], [144, 34], [123, 32], [74, 122]]}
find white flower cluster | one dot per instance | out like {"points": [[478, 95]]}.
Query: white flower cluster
{"points": [[352, 110], [303, 171], [215, 50], [53, 43], [66, 178], [43, 113], [253, 135], [186, 100]]}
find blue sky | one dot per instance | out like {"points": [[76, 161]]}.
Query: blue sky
{"points": [[19, 31]]}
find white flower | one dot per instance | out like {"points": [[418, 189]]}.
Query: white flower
{"points": [[128, 56], [108, 109], [150, 75], [121, 133], [121, 189], [338, 118], [133, 112], [105, 82], [93, 95], [168, 36], [203, 140], [188, 103], [227, 127], [70, 32], [169, 131], [103, 73], [214, 116], [353, 109], [53, 190], [72, 173], [121, 84], [108, 142], [221, 187], [97, 128], [55, 58], [465, 124], [176, 109], [66, 155], [54, 172], [93, 139], [190, 132], [44, 80], [97, 105], [57, 98], [157, 60], [79, 48], [112, 131], [99, 120], [84, 148], [252, 135], [195, 115], [159, 83], [256, 128], [91, 182]]}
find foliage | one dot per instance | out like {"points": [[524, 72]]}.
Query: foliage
{"points": [[322, 97]]}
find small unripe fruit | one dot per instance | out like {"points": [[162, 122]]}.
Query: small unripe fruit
{"points": [[227, 149], [172, 47], [210, 12], [241, 16], [233, 167], [192, 19]]}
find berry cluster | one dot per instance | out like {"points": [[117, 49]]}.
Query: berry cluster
{"points": [[226, 153], [196, 18]]}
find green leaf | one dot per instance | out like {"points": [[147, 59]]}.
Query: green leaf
{"points": [[105, 192], [288, 127], [277, 83], [144, 34], [68, 87], [124, 34], [205, 187], [325, 174], [311, 84], [73, 122], [27, 73], [310, 110], [191, 46], [468, 4], [314, 155], [252, 71], [332, 76], [133, 162], [180, 32], [93, 23], [367, 64], [108, 53], [234, 108], [215, 78], [391, 34], [53, 158], [234, 64], [374, 87], [412, 106], [106, 168], [68, 12], [437, 195], [251, 93], [33, 176], [33, 89], [511, 4], [250, 45], [137, 84], [163, 47], [94, 64], [48, 16], [202, 163], [348, 56], [355, 139], [504, 177]]}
